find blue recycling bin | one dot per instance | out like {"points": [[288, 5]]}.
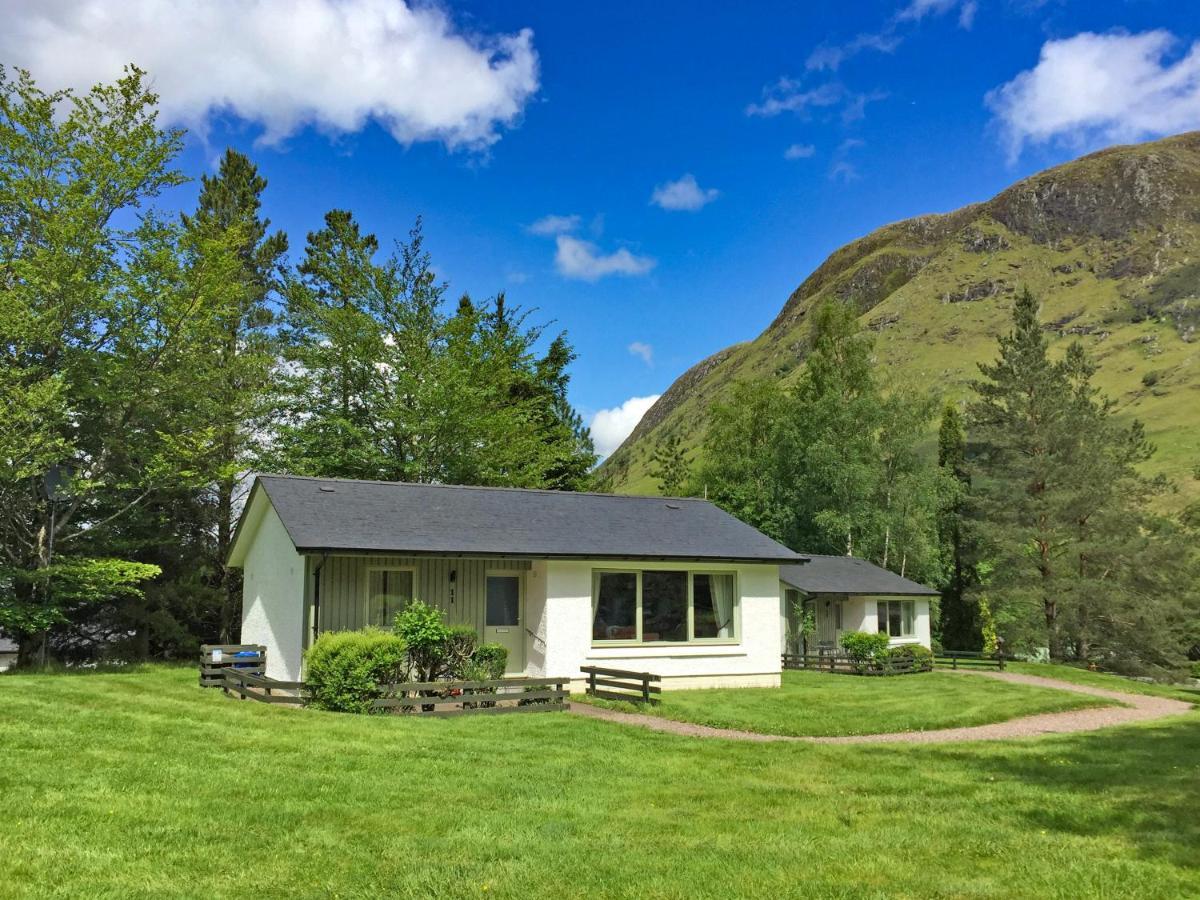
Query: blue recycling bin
{"points": [[243, 654]]}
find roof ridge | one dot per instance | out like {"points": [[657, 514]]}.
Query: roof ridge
{"points": [[482, 487]]}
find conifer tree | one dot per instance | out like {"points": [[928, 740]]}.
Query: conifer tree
{"points": [[1080, 562], [670, 465]]}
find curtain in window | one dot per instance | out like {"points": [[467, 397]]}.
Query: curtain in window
{"points": [[908, 607], [722, 597]]}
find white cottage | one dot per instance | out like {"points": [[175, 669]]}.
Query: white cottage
{"points": [[672, 586], [845, 593]]}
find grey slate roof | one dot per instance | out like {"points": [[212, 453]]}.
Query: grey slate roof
{"points": [[848, 575], [325, 514]]}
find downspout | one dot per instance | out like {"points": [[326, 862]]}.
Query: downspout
{"points": [[316, 622]]}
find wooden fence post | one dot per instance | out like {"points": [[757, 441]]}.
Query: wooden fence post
{"points": [[591, 683]]}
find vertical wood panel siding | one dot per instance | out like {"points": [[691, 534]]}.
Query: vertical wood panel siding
{"points": [[344, 587]]}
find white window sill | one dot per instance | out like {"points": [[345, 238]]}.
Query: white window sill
{"points": [[660, 651]]}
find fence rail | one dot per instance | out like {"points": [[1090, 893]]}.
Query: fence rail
{"points": [[249, 686], [845, 665], [619, 684], [969, 659], [454, 698], [215, 659]]}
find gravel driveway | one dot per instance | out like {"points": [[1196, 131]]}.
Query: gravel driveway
{"points": [[1139, 708]]}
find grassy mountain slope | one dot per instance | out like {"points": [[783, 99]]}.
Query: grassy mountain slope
{"points": [[1109, 242]]}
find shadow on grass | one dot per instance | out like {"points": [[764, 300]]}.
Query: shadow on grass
{"points": [[1140, 785]]}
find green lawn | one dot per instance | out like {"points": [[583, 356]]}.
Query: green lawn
{"points": [[144, 785], [811, 703], [1112, 682]]}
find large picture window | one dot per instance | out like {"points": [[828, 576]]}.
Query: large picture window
{"points": [[896, 618], [656, 607], [388, 592]]}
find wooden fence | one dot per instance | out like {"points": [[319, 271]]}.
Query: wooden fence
{"points": [[845, 665], [618, 684], [453, 698], [968, 659], [249, 686], [215, 659]]}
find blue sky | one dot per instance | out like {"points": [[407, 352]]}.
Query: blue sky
{"points": [[698, 159]]}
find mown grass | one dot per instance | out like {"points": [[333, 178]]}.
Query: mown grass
{"points": [[144, 785], [1078, 675], [816, 704]]}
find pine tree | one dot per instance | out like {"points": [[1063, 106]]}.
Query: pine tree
{"points": [[228, 232], [1079, 561], [960, 626], [670, 465]]}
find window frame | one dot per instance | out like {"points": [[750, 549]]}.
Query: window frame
{"points": [[366, 602], [691, 640], [903, 635]]}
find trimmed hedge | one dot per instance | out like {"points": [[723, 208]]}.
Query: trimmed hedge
{"points": [[345, 668], [871, 654]]}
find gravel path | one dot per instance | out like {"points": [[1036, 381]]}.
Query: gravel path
{"points": [[1140, 708]]}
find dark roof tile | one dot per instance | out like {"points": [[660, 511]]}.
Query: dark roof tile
{"points": [[848, 575], [391, 517]]}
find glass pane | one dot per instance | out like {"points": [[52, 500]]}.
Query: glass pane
{"points": [[664, 606], [908, 617], [616, 607], [713, 606], [503, 600], [894, 618], [390, 590], [881, 616]]}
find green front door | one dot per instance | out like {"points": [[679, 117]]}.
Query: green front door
{"points": [[504, 621]]}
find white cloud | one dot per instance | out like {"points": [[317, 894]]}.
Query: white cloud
{"points": [[581, 259], [916, 10], [645, 351], [799, 151], [842, 169], [828, 57], [788, 95], [548, 226], [683, 194], [1101, 87], [287, 64], [610, 427]]}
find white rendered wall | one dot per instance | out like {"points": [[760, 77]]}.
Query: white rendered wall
{"points": [[861, 614], [752, 660], [273, 598]]}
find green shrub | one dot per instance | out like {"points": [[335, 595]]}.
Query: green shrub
{"points": [[461, 644], [864, 646], [344, 668], [493, 659], [1150, 378], [423, 630], [921, 658]]}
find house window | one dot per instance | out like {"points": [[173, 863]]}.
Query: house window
{"points": [[657, 607], [388, 592], [664, 606], [896, 618], [713, 604], [614, 606]]}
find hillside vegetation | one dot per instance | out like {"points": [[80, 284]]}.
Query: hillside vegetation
{"points": [[1109, 242]]}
